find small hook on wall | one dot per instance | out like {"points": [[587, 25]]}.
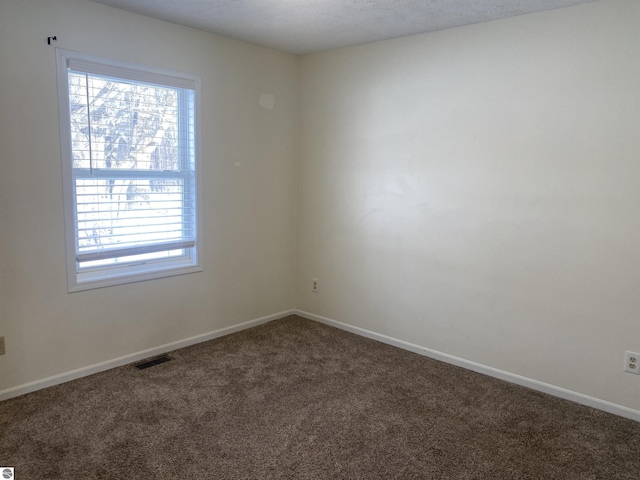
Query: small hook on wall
{"points": [[54, 38]]}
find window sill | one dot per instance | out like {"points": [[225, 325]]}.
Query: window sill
{"points": [[101, 279]]}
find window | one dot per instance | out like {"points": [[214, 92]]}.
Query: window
{"points": [[129, 154]]}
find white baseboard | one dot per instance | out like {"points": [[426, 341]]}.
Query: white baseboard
{"points": [[134, 357], [427, 352], [477, 367]]}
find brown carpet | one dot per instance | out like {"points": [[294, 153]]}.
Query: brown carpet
{"points": [[296, 399]]}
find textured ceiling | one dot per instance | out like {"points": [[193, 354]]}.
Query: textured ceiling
{"points": [[305, 26]]}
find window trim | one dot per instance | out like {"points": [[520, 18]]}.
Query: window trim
{"points": [[134, 271]]}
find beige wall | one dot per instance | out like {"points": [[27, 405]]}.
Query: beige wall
{"points": [[477, 191], [249, 211]]}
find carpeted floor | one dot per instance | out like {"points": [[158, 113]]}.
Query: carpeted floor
{"points": [[294, 399]]}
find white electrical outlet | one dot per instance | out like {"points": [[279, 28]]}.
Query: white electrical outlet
{"points": [[632, 363], [315, 285]]}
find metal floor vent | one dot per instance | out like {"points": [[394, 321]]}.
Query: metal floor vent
{"points": [[152, 362]]}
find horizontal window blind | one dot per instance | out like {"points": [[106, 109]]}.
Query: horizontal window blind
{"points": [[133, 155], [161, 247], [124, 73]]}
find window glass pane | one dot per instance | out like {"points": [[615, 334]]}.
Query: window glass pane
{"points": [[124, 125], [129, 212]]}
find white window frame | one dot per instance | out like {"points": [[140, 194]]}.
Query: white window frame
{"points": [[134, 271]]}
